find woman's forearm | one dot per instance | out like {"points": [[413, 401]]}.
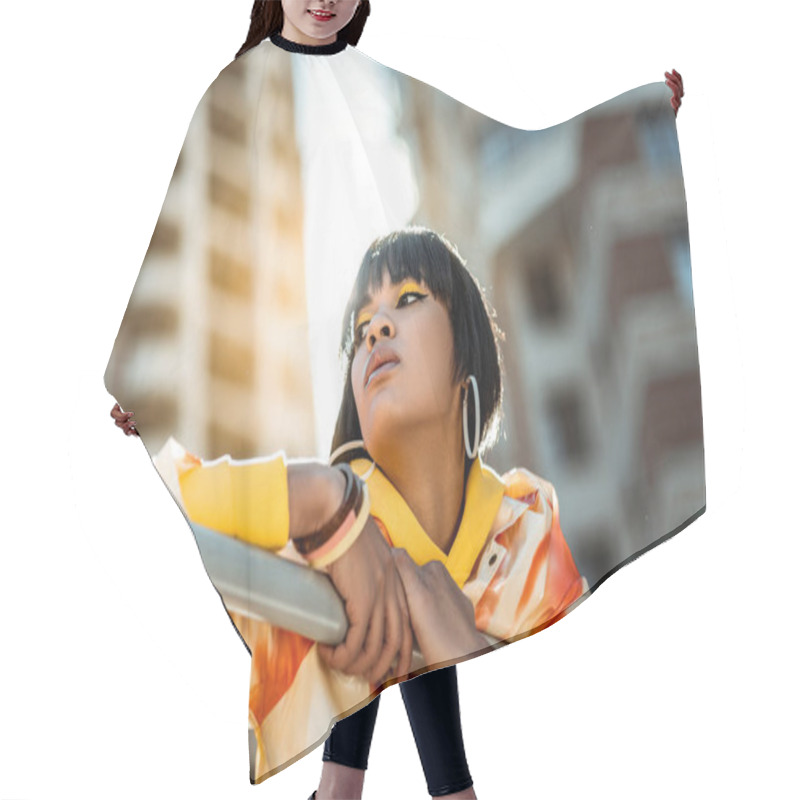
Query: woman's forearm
{"points": [[315, 492]]}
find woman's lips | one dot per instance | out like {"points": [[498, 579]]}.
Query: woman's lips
{"points": [[381, 355], [322, 16], [386, 367]]}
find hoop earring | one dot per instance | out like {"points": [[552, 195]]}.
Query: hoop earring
{"points": [[473, 451], [353, 444]]}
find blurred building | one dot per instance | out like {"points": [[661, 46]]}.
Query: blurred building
{"points": [[579, 234], [223, 279]]}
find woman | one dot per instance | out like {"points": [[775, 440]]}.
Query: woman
{"points": [[421, 402]]}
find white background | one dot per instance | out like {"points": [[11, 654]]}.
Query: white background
{"points": [[120, 674]]}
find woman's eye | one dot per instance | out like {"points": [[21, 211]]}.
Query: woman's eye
{"points": [[409, 294], [360, 328]]}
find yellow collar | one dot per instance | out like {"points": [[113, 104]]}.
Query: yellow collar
{"points": [[484, 492]]}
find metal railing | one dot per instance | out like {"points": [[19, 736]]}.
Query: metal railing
{"points": [[263, 586]]}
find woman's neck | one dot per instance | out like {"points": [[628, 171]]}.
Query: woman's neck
{"points": [[335, 46], [429, 472]]}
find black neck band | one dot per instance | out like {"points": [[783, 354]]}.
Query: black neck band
{"points": [[308, 49]]}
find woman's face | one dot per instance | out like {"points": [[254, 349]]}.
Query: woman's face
{"points": [[405, 332], [318, 20]]}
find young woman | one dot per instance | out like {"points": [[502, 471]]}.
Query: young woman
{"points": [[370, 412], [421, 402]]}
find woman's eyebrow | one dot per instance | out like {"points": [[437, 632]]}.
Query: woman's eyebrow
{"points": [[362, 302]]}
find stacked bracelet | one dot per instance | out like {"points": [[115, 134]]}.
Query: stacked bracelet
{"points": [[335, 537], [342, 540], [307, 544]]}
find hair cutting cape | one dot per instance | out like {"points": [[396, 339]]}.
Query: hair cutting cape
{"points": [[228, 350]]}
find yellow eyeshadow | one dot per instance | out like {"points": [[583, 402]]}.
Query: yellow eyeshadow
{"points": [[407, 286], [412, 285]]}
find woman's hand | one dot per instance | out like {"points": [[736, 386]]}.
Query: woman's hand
{"points": [[124, 420], [375, 603], [675, 82], [442, 616]]}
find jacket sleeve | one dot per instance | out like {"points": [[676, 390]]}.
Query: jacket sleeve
{"points": [[536, 579], [246, 499]]}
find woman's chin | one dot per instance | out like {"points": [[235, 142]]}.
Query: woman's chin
{"points": [[380, 395], [386, 419]]}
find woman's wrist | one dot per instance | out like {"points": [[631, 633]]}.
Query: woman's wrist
{"points": [[335, 483], [341, 532], [315, 493]]}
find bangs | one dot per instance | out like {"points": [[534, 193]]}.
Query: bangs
{"points": [[414, 253]]}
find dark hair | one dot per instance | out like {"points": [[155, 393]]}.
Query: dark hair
{"points": [[421, 254], [266, 18]]}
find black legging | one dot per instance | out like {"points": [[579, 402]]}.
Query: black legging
{"points": [[433, 711]]}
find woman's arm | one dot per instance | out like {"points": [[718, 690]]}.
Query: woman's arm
{"points": [[315, 492], [314, 489], [263, 501], [267, 501]]}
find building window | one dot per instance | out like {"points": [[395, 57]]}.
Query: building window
{"points": [[166, 239], [227, 125], [230, 360], [155, 412], [222, 441], [229, 275], [567, 420], [542, 291], [227, 195], [153, 319]]}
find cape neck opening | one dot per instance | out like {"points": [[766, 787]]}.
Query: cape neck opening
{"points": [[308, 49]]}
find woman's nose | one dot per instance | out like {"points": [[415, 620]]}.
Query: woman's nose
{"points": [[380, 326]]}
